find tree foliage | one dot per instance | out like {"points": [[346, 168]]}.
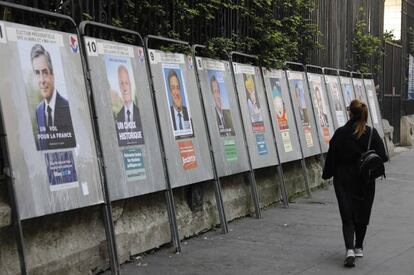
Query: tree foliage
{"points": [[366, 48], [275, 30]]}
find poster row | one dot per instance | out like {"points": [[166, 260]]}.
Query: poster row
{"points": [[52, 140]]}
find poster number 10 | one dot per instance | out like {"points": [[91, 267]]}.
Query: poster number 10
{"points": [[91, 47]]}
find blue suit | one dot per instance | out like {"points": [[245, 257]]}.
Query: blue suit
{"points": [[63, 136]]}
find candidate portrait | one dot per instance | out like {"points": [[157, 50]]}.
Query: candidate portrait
{"points": [[322, 115], [301, 104], [223, 116], [54, 122], [128, 119], [179, 112]]}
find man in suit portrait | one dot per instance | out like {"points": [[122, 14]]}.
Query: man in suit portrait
{"points": [[179, 112], [128, 119], [223, 116], [54, 122], [301, 105], [323, 117]]}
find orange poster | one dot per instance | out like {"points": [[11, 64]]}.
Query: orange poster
{"points": [[187, 153]]}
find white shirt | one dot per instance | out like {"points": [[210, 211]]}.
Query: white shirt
{"points": [[131, 112], [177, 119], [51, 104]]}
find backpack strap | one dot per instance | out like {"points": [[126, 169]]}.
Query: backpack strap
{"points": [[370, 138]]}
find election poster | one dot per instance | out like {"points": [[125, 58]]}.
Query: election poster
{"points": [[359, 90], [123, 95], [281, 115], [221, 103], [299, 94], [187, 153], [336, 101], [347, 93], [178, 106], [320, 106], [46, 91], [49, 107], [253, 104]]}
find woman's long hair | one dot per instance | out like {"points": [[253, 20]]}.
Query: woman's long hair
{"points": [[359, 113]]}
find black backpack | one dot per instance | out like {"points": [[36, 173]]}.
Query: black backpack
{"points": [[371, 166]]}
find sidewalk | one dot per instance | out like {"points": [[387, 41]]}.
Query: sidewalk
{"points": [[304, 239]]}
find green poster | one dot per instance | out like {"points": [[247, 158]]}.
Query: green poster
{"points": [[134, 164], [230, 150]]}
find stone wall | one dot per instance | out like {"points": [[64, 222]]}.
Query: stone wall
{"points": [[74, 242]]}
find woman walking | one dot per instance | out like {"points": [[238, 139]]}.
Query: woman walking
{"points": [[355, 194]]}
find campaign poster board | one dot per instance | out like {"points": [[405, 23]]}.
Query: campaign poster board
{"points": [[321, 109], [126, 120], [284, 125], [338, 108], [347, 89], [223, 116], [373, 104], [47, 120], [255, 115], [181, 119], [361, 95], [305, 121]]}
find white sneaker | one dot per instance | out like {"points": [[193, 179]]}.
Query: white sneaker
{"points": [[349, 258], [358, 252]]}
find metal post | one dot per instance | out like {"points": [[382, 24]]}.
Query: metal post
{"points": [[217, 185], [251, 176], [17, 224], [282, 185], [302, 161]]}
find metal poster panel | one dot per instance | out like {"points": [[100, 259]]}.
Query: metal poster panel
{"points": [[360, 94], [255, 115], [347, 89], [321, 108], [374, 109], [304, 116], [336, 101], [47, 120], [223, 116], [284, 125], [182, 123], [126, 119]]}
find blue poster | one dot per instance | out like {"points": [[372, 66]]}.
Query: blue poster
{"points": [[261, 144], [410, 95], [61, 170]]}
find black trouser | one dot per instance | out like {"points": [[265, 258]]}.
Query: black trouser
{"points": [[355, 213]]}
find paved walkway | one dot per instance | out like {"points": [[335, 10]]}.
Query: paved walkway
{"points": [[304, 239]]}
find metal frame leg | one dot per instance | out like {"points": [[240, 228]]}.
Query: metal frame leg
{"points": [[175, 237], [255, 198]]}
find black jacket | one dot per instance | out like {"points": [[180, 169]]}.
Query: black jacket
{"points": [[345, 148]]}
